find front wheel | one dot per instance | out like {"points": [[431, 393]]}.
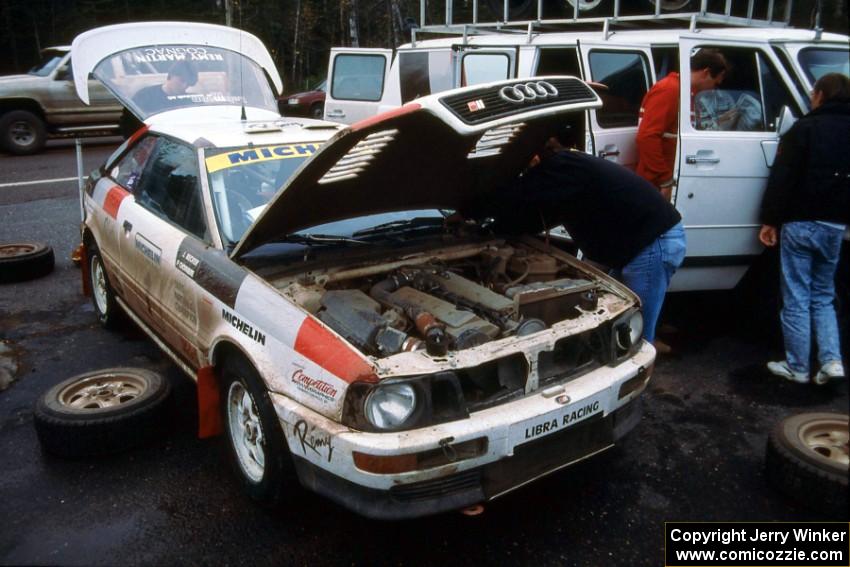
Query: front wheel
{"points": [[22, 132], [317, 111], [257, 448]]}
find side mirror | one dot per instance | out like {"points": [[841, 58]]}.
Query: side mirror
{"points": [[785, 121]]}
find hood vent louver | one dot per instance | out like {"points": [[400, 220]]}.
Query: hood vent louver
{"points": [[494, 139], [357, 159]]}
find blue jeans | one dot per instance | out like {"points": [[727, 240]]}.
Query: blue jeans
{"points": [[809, 254], [648, 274]]}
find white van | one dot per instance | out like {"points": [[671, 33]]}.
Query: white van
{"points": [[721, 174]]}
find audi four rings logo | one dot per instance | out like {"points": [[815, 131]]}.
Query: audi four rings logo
{"points": [[528, 91]]}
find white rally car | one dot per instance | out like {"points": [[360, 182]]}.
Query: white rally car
{"points": [[341, 330]]}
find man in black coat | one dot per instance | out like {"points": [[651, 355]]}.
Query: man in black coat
{"points": [[808, 196], [616, 217]]}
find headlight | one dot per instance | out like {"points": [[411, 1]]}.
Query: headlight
{"points": [[293, 101], [389, 406], [630, 332]]}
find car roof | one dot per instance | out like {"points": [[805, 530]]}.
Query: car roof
{"points": [[654, 37], [221, 126]]}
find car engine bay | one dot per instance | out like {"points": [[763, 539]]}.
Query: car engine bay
{"points": [[448, 300]]}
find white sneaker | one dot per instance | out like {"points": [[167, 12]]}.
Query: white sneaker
{"points": [[781, 368], [830, 370]]}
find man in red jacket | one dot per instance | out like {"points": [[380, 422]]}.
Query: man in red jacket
{"points": [[658, 127]]}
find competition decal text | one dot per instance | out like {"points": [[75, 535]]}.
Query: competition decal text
{"points": [[247, 156], [243, 327], [312, 441], [187, 263], [189, 53], [567, 419], [313, 386], [149, 250]]}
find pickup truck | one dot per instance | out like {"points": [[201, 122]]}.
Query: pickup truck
{"points": [[43, 103]]}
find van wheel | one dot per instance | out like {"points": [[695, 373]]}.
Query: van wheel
{"points": [[22, 132], [807, 460], [257, 448], [102, 412], [23, 261]]}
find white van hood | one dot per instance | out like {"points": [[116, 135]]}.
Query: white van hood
{"points": [[440, 151]]}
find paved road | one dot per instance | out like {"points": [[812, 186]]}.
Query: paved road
{"points": [[697, 455]]}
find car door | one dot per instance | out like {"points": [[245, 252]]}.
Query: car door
{"points": [[727, 143], [356, 83], [168, 208], [627, 73]]}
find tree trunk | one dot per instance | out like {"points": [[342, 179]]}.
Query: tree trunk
{"points": [[353, 24]]}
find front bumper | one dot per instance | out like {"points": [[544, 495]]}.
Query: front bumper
{"points": [[517, 451]]}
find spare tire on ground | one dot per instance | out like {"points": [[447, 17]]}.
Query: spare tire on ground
{"points": [[21, 261], [102, 412], [807, 460]]}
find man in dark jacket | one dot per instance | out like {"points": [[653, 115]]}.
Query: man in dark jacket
{"points": [[616, 217], [808, 196]]}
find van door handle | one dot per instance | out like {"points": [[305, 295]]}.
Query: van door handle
{"points": [[701, 159], [336, 113], [128, 226], [608, 153]]}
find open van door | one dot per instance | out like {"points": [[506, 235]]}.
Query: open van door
{"points": [[727, 142], [626, 71], [357, 80]]}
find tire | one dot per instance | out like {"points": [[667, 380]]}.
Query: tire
{"points": [[102, 295], [22, 132], [102, 412], [807, 460], [317, 111], [256, 445], [23, 261]]}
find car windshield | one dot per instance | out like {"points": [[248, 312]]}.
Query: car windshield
{"points": [[243, 181], [49, 61], [153, 79], [817, 62]]}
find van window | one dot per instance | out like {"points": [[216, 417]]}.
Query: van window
{"points": [[424, 72], [665, 60], [817, 62], [485, 67], [358, 77], [558, 61], [748, 100], [626, 75]]}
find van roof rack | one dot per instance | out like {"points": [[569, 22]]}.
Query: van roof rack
{"points": [[520, 15]]}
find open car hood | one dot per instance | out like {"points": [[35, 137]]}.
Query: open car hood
{"points": [[227, 64], [441, 151]]}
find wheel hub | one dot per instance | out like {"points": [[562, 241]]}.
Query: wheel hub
{"points": [[22, 133], [828, 439], [102, 392], [246, 432]]}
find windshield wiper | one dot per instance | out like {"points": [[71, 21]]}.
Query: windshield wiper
{"points": [[320, 239], [402, 226]]}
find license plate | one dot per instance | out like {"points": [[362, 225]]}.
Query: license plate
{"points": [[554, 421]]}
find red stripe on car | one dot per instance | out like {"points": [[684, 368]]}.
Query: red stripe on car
{"points": [[406, 109], [113, 200], [331, 353]]}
